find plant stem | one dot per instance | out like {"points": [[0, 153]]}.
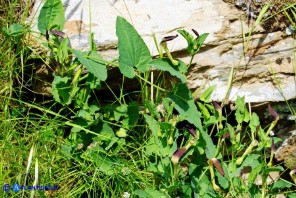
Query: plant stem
{"points": [[159, 88], [190, 63]]}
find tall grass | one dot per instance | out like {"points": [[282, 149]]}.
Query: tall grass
{"points": [[21, 126]]}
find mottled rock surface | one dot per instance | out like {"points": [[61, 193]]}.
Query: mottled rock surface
{"points": [[270, 54], [287, 151]]}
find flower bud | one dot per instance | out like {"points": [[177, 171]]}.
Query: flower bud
{"points": [[191, 130], [293, 175], [218, 166], [178, 154], [168, 38], [196, 33], [273, 113]]}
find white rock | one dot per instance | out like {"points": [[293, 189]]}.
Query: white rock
{"points": [[223, 48]]}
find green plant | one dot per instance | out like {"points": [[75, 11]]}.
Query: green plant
{"points": [[143, 144]]}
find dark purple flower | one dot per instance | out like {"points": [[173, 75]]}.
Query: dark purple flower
{"points": [[226, 135], [58, 33], [195, 32], [293, 171], [218, 166], [46, 35], [216, 105], [178, 154], [191, 130], [273, 112], [169, 38], [242, 172]]}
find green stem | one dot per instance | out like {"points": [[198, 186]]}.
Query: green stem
{"points": [[264, 180], [190, 63], [157, 46], [157, 87], [247, 152], [272, 125], [173, 61], [215, 186]]}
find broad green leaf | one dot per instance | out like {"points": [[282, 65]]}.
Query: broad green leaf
{"points": [[169, 107], [210, 121], [133, 52], [240, 102], [165, 148], [265, 140], [150, 193], [181, 90], [206, 95], [82, 96], [164, 64], [254, 173], [210, 149], [241, 113], [187, 191], [231, 133], [156, 144], [81, 122], [51, 16], [185, 105], [194, 44], [189, 38], [201, 39], [92, 82], [128, 113], [61, 89], [164, 165], [273, 169], [93, 108], [251, 160], [291, 195], [62, 52], [280, 185], [121, 132], [254, 122], [152, 166], [152, 147], [223, 181], [190, 41], [107, 137], [120, 111], [153, 126], [204, 110], [152, 108], [133, 113], [90, 61], [14, 30], [201, 185], [85, 115]]}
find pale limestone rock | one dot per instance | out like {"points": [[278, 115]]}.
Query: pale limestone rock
{"points": [[223, 48]]}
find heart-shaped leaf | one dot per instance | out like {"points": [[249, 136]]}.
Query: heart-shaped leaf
{"points": [[133, 52], [90, 61], [51, 16]]}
